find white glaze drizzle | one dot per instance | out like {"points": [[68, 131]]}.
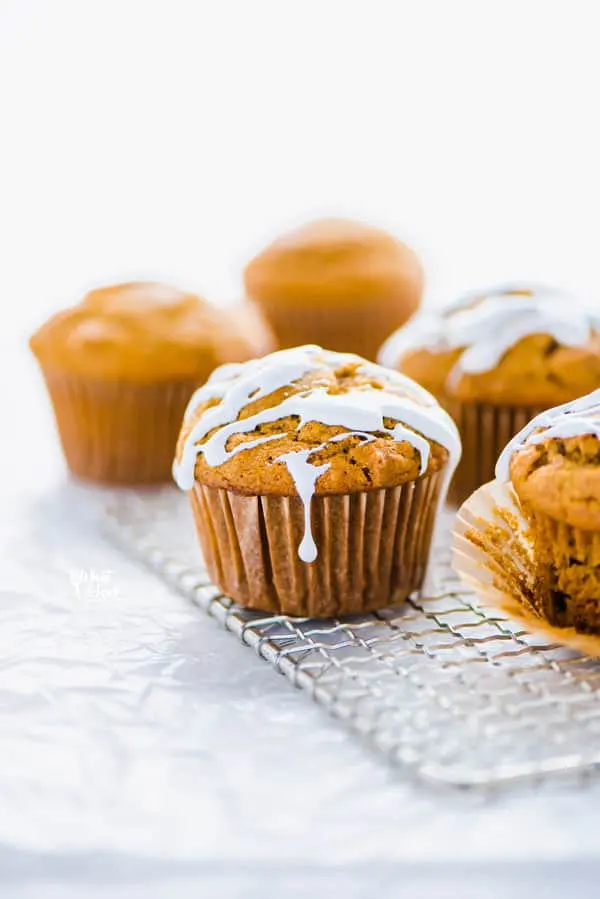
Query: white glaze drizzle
{"points": [[305, 478], [487, 329], [572, 419], [361, 411]]}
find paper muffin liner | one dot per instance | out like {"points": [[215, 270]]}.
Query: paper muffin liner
{"points": [[485, 429], [358, 327], [118, 432], [373, 547], [492, 552]]}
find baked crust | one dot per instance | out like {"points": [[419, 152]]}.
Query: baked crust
{"points": [[561, 478], [354, 465], [148, 332]]}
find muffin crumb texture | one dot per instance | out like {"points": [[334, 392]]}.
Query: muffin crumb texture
{"points": [[148, 332], [554, 467], [338, 283], [516, 345], [307, 422], [561, 477], [568, 572], [121, 366], [315, 413], [494, 360]]}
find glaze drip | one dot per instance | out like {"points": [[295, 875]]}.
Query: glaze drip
{"points": [[486, 325], [361, 410], [574, 419]]}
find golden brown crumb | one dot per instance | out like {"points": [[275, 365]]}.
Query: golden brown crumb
{"points": [[337, 283], [355, 465], [561, 478], [558, 485], [535, 372], [146, 332]]}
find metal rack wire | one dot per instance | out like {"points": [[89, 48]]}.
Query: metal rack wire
{"points": [[457, 693]]}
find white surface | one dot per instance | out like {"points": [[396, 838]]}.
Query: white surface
{"points": [[138, 741], [170, 139]]}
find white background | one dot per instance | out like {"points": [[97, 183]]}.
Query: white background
{"points": [[170, 140]]}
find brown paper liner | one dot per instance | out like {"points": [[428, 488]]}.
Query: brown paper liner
{"points": [[492, 551], [118, 432], [372, 547], [355, 328], [485, 430]]}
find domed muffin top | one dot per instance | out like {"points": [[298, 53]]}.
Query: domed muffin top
{"points": [[148, 331], [307, 421], [554, 463], [335, 261], [517, 344]]}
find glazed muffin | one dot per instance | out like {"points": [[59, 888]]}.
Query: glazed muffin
{"points": [[121, 366], [314, 479], [336, 283], [554, 468], [496, 359]]}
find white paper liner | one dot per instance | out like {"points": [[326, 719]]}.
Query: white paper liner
{"points": [[493, 556]]}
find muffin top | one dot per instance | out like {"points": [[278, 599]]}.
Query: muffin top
{"points": [[515, 345], [554, 463], [307, 421], [336, 261], [148, 332]]}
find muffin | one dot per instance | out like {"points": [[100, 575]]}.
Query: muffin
{"points": [[494, 360], [336, 283], [314, 479], [554, 468], [121, 366]]}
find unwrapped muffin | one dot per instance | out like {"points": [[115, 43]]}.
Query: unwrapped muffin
{"points": [[494, 360], [554, 467], [121, 366], [314, 479], [337, 283]]}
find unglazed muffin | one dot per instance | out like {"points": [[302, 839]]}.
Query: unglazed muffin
{"points": [[121, 366], [554, 467], [494, 360], [314, 479], [337, 283]]}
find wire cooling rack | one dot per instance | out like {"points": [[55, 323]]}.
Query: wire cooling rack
{"points": [[459, 694]]}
